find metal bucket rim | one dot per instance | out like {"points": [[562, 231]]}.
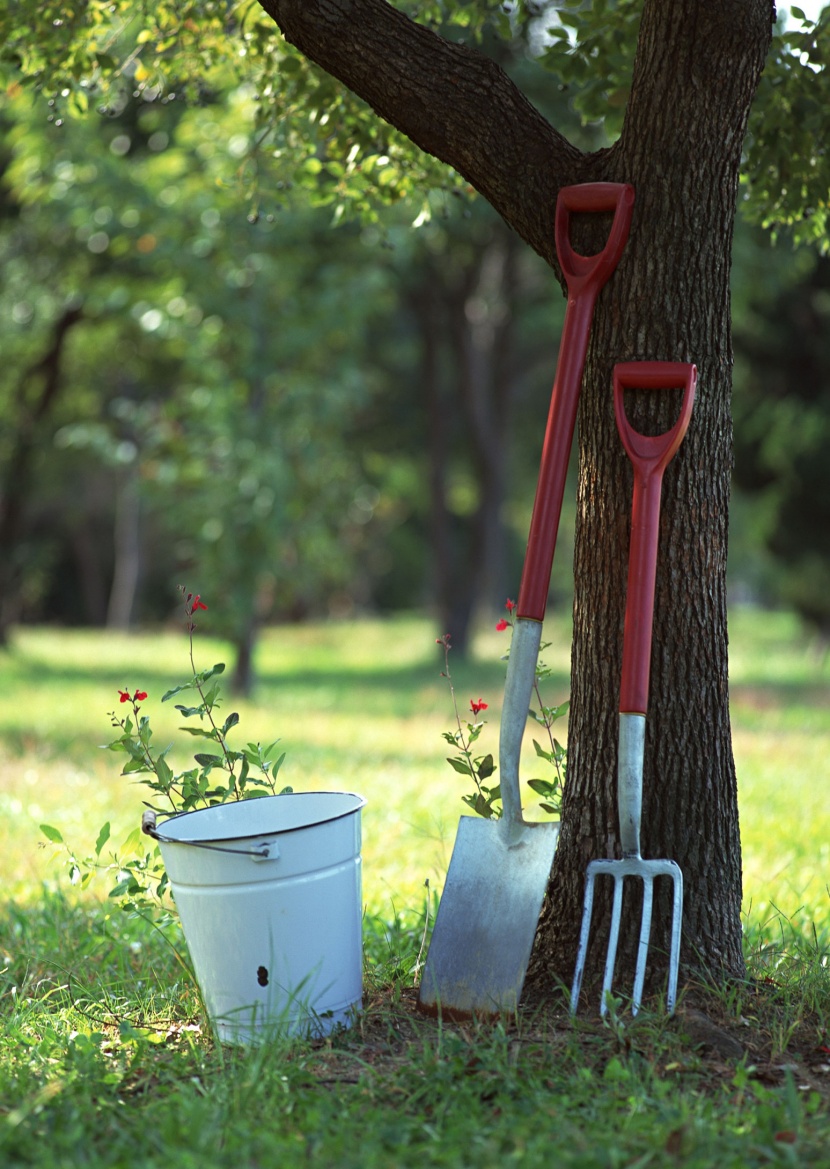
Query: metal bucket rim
{"points": [[360, 803]]}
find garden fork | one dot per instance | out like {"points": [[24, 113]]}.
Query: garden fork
{"points": [[650, 455]]}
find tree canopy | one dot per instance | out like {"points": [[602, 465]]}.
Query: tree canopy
{"points": [[316, 134]]}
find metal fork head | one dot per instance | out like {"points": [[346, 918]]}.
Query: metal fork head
{"points": [[632, 866]]}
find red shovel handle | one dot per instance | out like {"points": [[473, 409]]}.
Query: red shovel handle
{"points": [[592, 198], [650, 455], [585, 276]]}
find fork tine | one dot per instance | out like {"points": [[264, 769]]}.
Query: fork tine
{"points": [[613, 938], [582, 952], [674, 953], [642, 951]]}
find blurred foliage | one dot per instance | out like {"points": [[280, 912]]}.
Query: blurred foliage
{"points": [[782, 420], [312, 133], [171, 169], [218, 366]]}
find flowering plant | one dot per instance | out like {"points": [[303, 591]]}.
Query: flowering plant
{"points": [[485, 800], [196, 786], [220, 774]]}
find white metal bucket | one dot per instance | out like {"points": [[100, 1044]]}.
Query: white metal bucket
{"points": [[269, 895]]}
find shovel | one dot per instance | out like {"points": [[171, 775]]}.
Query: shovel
{"points": [[650, 457], [499, 869]]}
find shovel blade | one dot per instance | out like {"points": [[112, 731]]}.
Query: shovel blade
{"points": [[487, 917]]}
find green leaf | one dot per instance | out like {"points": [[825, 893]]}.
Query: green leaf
{"points": [[209, 760], [163, 771], [103, 837], [51, 833], [541, 752], [229, 722], [542, 787], [461, 766], [486, 767], [483, 807], [135, 765]]}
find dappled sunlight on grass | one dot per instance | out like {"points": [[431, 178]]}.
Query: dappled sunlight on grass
{"points": [[780, 703], [361, 706]]}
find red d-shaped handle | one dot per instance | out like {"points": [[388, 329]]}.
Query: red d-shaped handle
{"points": [[650, 455], [585, 276], [590, 198]]}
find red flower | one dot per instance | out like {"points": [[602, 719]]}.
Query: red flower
{"points": [[475, 707], [125, 696], [509, 605], [502, 625], [197, 604]]}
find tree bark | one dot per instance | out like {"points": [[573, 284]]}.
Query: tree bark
{"points": [[452, 101], [695, 74]]}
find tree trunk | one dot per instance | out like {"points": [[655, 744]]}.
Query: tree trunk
{"points": [[32, 407], [127, 546], [463, 303], [695, 74], [669, 300]]}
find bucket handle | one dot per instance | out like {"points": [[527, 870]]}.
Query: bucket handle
{"points": [[261, 853]]}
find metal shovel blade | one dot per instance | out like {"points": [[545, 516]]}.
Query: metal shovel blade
{"points": [[487, 918]]}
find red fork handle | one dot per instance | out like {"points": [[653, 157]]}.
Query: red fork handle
{"points": [[585, 276], [650, 455]]}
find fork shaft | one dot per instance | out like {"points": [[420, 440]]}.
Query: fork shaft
{"points": [[630, 780]]}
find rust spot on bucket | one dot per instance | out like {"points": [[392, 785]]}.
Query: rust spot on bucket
{"points": [[262, 975]]}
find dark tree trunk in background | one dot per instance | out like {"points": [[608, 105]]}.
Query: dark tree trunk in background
{"points": [[36, 395], [244, 643], [463, 303], [695, 74], [127, 546]]}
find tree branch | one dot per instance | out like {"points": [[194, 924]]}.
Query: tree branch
{"points": [[453, 102]]}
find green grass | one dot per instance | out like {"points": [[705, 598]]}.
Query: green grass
{"points": [[106, 1058]]}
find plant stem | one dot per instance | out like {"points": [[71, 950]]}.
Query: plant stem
{"points": [[220, 739], [464, 748]]}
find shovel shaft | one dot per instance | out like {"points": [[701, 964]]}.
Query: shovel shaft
{"points": [[585, 276], [556, 451], [518, 690]]}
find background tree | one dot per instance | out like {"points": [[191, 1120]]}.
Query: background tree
{"points": [[679, 78], [782, 426]]}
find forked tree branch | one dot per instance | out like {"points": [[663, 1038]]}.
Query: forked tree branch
{"points": [[452, 101]]}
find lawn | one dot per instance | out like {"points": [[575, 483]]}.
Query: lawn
{"points": [[107, 1060]]}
